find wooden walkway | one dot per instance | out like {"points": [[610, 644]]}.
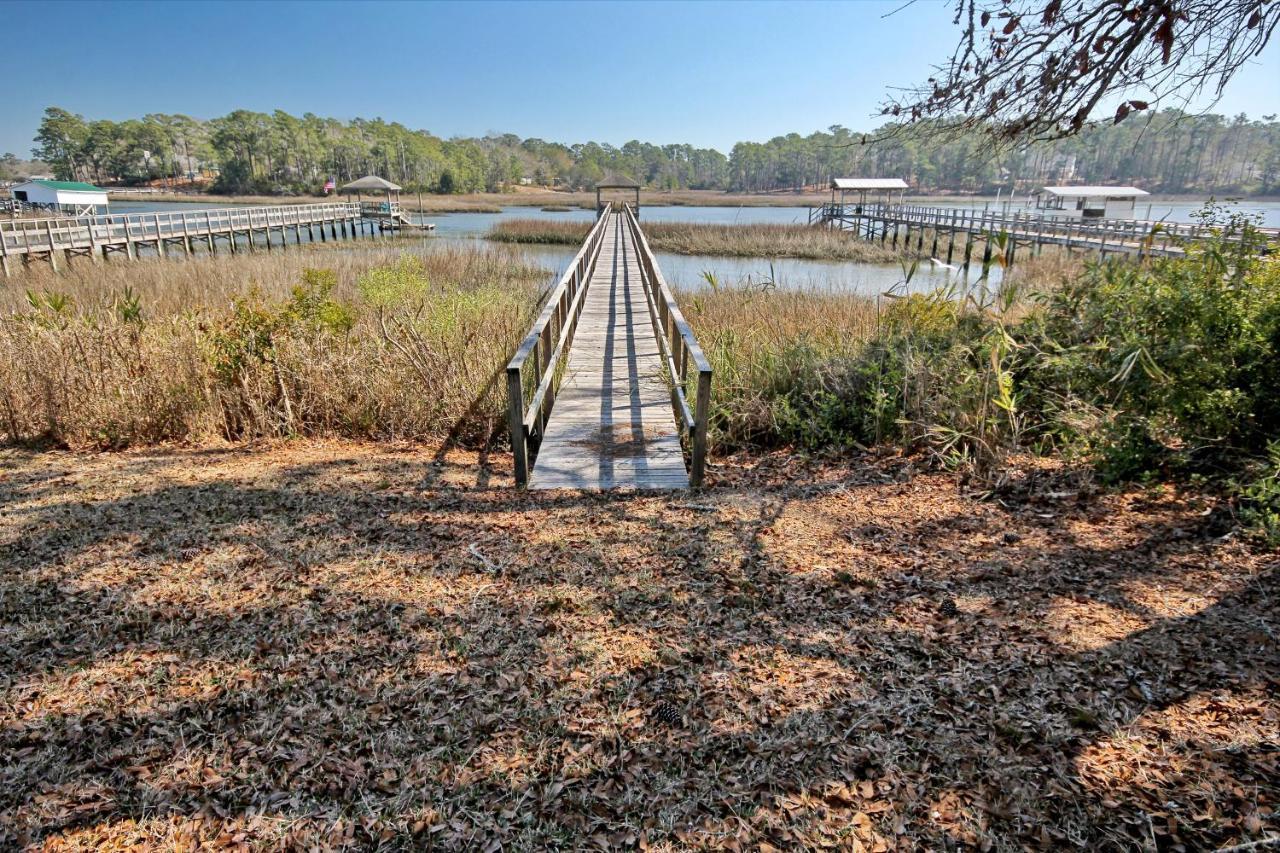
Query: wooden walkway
{"points": [[612, 425], [1016, 229], [56, 239], [612, 356]]}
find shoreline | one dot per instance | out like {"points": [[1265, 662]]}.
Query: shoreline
{"points": [[495, 202]]}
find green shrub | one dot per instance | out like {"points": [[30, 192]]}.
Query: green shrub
{"points": [[247, 338], [1260, 497], [1161, 369], [1177, 359]]}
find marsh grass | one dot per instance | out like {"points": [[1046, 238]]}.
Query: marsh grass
{"points": [[830, 371], [355, 341], [762, 343], [381, 343], [375, 343], [753, 240]]}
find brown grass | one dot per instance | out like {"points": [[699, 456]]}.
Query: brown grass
{"points": [[753, 240], [770, 347], [759, 341], [327, 645], [191, 367], [83, 374]]}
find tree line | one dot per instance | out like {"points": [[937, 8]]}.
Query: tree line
{"points": [[252, 152]]}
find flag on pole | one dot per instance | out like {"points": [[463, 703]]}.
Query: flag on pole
{"points": [[330, 184]]}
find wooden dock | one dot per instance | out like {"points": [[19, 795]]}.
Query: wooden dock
{"points": [[390, 216], [1002, 234], [608, 366], [55, 240]]}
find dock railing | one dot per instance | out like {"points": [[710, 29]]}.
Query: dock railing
{"points": [[544, 348], [89, 231], [1152, 237], [381, 208], [679, 349]]}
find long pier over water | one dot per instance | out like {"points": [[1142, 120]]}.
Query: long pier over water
{"points": [[956, 232], [612, 373], [55, 240]]}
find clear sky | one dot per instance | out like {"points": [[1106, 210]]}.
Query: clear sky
{"points": [[707, 73]]}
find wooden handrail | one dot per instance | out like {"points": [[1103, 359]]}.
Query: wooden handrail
{"points": [[1122, 232], [88, 231], [558, 319], [679, 347]]}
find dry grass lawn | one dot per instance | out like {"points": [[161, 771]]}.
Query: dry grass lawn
{"points": [[313, 645]]}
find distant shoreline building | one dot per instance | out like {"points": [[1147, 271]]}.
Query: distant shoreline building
{"points": [[73, 198], [1089, 202]]}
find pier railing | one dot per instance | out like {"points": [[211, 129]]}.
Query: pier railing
{"points": [[1145, 235], [24, 236], [381, 208], [542, 351], [680, 349]]}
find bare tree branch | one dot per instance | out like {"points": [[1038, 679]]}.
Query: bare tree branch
{"points": [[1029, 70]]}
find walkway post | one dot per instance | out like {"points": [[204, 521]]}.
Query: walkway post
{"points": [[701, 407], [515, 420]]}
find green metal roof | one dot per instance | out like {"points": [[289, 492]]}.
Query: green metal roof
{"points": [[77, 186]]}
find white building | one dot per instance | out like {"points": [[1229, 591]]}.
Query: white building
{"points": [[1089, 202], [74, 198]]}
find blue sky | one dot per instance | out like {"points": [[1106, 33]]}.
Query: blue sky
{"points": [[708, 73]]}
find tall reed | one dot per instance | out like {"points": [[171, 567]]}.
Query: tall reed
{"points": [[368, 343], [700, 238]]}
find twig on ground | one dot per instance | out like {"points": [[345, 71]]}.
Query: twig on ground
{"points": [[495, 568]]}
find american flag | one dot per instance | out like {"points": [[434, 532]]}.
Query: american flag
{"points": [[330, 184]]}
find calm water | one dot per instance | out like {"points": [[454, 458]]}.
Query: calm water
{"points": [[689, 272]]}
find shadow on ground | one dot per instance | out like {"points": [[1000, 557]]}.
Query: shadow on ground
{"points": [[341, 643]]}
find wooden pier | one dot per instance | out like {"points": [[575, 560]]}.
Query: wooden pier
{"points": [[610, 367], [1005, 233], [390, 216], [54, 240]]}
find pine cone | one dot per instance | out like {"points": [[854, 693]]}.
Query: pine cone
{"points": [[667, 713], [948, 609]]}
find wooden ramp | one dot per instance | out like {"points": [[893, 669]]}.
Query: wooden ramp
{"points": [[612, 425], [614, 420]]}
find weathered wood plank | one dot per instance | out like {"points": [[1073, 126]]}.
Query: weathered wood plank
{"points": [[611, 426]]}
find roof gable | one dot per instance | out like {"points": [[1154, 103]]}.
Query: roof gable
{"points": [[615, 181], [1083, 192], [372, 182], [69, 186], [868, 184]]}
